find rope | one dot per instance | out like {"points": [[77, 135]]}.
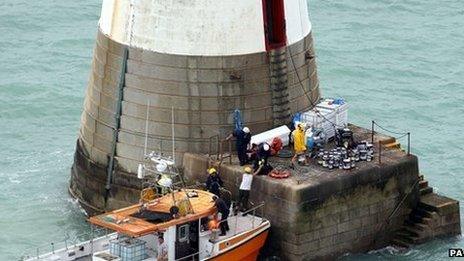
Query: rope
{"points": [[402, 136], [306, 93], [390, 131]]}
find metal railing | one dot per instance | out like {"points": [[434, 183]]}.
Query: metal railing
{"points": [[251, 210], [380, 144], [191, 256], [215, 141], [397, 207], [67, 244]]}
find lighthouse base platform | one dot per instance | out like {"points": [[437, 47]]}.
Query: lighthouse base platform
{"points": [[320, 213]]}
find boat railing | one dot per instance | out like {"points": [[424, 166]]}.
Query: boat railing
{"points": [[68, 243], [259, 207], [191, 256]]}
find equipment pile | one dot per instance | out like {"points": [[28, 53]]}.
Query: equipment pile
{"points": [[344, 158]]}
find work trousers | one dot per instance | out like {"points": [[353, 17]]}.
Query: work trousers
{"points": [[243, 195], [224, 226], [242, 155]]}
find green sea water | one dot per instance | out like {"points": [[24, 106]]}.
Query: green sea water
{"points": [[399, 62]]}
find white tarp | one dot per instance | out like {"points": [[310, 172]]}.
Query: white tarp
{"points": [[282, 132]]}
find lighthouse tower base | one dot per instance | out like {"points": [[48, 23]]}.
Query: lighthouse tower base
{"points": [[199, 94]]}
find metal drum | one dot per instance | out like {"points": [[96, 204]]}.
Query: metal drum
{"points": [[347, 164], [363, 154]]}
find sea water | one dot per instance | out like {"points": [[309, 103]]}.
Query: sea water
{"points": [[399, 62]]}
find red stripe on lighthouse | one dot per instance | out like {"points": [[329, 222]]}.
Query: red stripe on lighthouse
{"points": [[274, 24]]}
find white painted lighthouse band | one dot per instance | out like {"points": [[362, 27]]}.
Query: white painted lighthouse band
{"points": [[205, 58]]}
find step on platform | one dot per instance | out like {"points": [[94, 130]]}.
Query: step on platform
{"points": [[434, 216]]}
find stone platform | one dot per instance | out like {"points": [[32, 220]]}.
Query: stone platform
{"points": [[321, 213]]}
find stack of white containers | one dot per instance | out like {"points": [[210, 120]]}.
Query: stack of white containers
{"points": [[129, 249], [340, 109], [328, 116]]}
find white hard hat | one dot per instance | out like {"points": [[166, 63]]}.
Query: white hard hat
{"points": [[246, 130], [266, 147]]}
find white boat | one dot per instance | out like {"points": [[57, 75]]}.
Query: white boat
{"points": [[185, 217]]}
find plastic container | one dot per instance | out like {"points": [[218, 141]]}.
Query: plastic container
{"points": [[132, 250], [115, 248], [339, 106], [321, 118]]}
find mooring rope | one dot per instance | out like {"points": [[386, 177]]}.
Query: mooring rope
{"points": [[306, 93]]}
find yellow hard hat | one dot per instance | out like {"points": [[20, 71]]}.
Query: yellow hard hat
{"points": [[212, 171], [247, 169]]}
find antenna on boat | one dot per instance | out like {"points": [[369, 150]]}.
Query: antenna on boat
{"points": [[140, 168], [146, 129], [173, 138]]}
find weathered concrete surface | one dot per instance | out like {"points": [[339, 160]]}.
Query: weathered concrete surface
{"points": [[204, 90], [87, 184], [319, 213], [444, 219]]}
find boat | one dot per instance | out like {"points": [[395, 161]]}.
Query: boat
{"points": [[181, 215]]}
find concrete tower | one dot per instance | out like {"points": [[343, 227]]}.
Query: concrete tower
{"points": [[205, 58]]}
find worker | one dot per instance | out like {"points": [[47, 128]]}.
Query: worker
{"points": [[243, 138], [213, 226], [223, 210], [252, 152], [245, 187], [214, 182], [162, 249], [262, 155], [299, 142], [212, 222]]}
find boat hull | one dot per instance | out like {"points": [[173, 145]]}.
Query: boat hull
{"points": [[246, 251]]}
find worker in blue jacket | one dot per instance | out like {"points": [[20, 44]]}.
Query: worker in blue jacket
{"points": [[243, 137], [214, 182], [261, 160]]}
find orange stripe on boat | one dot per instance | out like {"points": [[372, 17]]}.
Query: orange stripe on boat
{"points": [[247, 251]]}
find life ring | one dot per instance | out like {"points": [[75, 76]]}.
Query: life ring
{"points": [[279, 174]]}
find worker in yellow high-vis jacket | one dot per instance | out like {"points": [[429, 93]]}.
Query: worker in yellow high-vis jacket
{"points": [[299, 141]]}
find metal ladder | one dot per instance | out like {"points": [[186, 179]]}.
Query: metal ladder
{"points": [[279, 86]]}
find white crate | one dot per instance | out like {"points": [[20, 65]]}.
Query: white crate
{"points": [[320, 118], [129, 249], [341, 111], [115, 247], [328, 116]]}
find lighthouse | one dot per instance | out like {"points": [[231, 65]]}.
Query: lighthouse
{"points": [[180, 68]]}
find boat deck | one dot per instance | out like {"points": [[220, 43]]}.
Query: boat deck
{"points": [[126, 221]]}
